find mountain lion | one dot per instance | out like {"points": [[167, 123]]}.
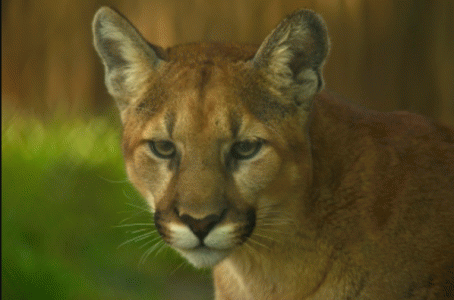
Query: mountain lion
{"points": [[284, 190]]}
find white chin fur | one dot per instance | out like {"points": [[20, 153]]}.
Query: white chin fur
{"points": [[204, 257], [219, 243]]}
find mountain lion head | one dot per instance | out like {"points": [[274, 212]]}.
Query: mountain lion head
{"points": [[212, 132]]}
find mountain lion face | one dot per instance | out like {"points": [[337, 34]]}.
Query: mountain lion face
{"points": [[209, 131], [205, 163], [287, 192]]}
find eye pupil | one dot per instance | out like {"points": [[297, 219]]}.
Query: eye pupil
{"points": [[163, 149], [246, 149]]}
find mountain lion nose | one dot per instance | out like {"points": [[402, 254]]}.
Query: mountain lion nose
{"points": [[201, 227]]}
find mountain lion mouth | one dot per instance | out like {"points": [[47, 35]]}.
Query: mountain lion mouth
{"points": [[207, 248], [219, 236], [218, 244], [208, 256]]}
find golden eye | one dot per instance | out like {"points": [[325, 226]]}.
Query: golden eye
{"points": [[162, 149], [246, 149]]}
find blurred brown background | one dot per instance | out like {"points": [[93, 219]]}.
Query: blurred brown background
{"points": [[386, 55]]}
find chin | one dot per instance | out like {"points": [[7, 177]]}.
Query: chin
{"points": [[203, 257]]}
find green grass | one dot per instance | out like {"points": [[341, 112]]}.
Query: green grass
{"points": [[64, 190]]}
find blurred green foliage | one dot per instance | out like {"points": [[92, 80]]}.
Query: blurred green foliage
{"points": [[66, 208]]}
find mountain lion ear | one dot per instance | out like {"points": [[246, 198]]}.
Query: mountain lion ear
{"points": [[292, 56], [128, 59]]}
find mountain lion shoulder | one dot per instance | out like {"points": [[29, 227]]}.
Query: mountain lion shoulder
{"points": [[284, 190]]}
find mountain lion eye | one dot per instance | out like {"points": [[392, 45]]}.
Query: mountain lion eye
{"points": [[246, 149], [162, 149]]}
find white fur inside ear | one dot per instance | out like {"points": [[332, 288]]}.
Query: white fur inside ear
{"points": [[127, 44], [279, 63], [308, 83], [279, 68], [134, 73], [111, 32], [281, 54], [292, 56]]}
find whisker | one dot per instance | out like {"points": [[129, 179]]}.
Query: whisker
{"points": [[179, 266], [270, 212], [139, 230], [249, 246], [142, 208], [273, 223], [136, 239], [131, 217], [126, 195], [271, 217], [264, 236], [151, 241], [147, 253], [280, 238], [258, 243], [160, 249], [134, 224], [275, 217], [272, 228], [114, 181]]}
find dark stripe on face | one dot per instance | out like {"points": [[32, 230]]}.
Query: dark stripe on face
{"points": [[169, 120], [235, 123], [205, 75]]}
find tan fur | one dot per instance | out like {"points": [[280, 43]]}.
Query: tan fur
{"points": [[338, 203]]}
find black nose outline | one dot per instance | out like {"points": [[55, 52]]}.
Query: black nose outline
{"points": [[202, 227]]}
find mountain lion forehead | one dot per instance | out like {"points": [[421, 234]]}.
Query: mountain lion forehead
{"points": [[208, 96], [196, 52], [194, 117], [183, 84]]}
